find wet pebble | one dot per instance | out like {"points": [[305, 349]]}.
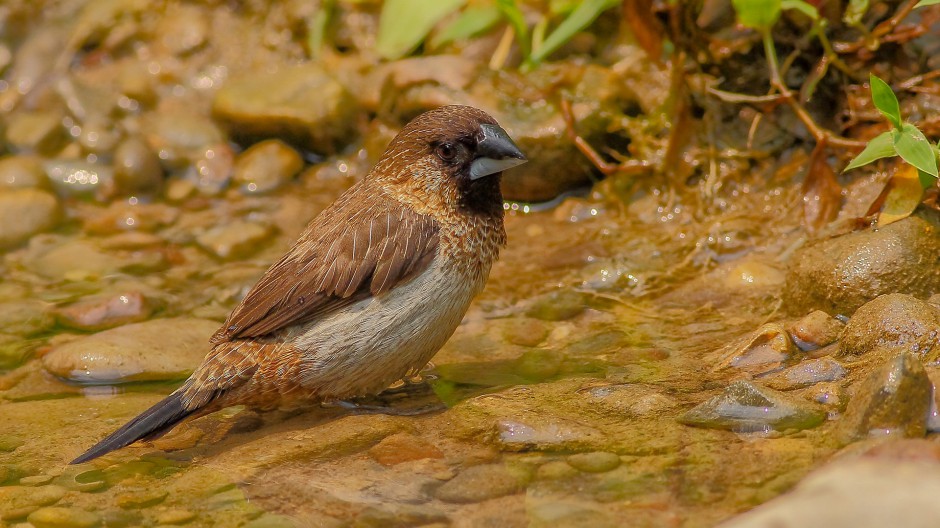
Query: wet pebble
{"points": [[766, 349], [39, 131], [57, 517], [175, 516], [74, 178], [21, 171], [301, 101], [183, 28], [549, 434], [139, 499], [36, 480], [26, 317], [893, 322], [161, 349], [180, 137], [838, 275], [20, 501], [25, 212], [137, 168], [555, 470], [403, 447], [747, 407], [480, 483], [831, 395], [894, 399], [630, 400], [596, 462], [265, 166], [98, 136], [815, 330], [71, 260], [805, 373], [9, 443], [236, 239], [103, 312]]}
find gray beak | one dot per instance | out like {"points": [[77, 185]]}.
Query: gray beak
{"points": [[495, 153]]}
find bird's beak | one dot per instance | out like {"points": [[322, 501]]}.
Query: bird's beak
{"points": [[495, 153]]}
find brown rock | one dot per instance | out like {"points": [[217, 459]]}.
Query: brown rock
{"points": [[403, 447]]}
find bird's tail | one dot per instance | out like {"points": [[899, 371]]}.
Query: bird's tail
{"points": [[150, 424]]}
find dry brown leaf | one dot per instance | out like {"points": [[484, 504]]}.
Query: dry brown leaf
{"points": [[822, 194]]}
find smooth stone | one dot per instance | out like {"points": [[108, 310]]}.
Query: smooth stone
{"points": [[39, 131], [56, 517], [403, 447], [303, 102], [805, 373], [265, 166], [815, 330], [861, 493], [183, 28], [21, 171], [559, 305], [72, 260], [480, 483], [161, 349], [838, 275], [102, 312], [175, 516], [137, 167], [180, 137], [76, 178], [524, 331], [596, 462], [748, 407], [544, 435], [766, 349], [20, 501], [895, 399], [98, 136], [630, 400], [893, 323], [236, 239], [9, 443], [25, 318], [25, 212], [555, 470], [140, 499]]}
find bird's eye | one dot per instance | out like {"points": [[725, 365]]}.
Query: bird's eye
{"points": [[446, 151]]}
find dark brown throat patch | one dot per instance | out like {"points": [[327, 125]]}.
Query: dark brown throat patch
{"points": [[481, 197]]}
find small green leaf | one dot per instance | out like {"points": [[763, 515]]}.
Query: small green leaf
{"points": [[514, 15], [926, 181], [855, 11], [801, 6], [403, 24], [925, 3], [475, 20], [914, 148], [881, 146], [885, 100], [586, 12], [757, 14], [316, 28]]}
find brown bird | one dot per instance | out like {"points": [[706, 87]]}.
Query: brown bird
{"points": [[373, 288]]}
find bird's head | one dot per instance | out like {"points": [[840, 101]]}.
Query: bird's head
{"points": [[453, 155]]}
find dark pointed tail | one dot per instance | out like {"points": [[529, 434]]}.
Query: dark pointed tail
{"points": [[151, 423]]}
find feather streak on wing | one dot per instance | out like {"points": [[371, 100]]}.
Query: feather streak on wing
{"points": [[329, 268]]}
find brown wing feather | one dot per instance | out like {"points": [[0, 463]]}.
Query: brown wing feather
{"points": [[345, 255]]}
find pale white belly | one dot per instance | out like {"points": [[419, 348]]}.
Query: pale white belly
{"points": [[366, 347]]}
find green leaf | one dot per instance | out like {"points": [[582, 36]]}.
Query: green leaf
{"points": [[926, 181], [801, 6], [586, 12], [757, 14], [516, 19], [403, 24], [914, 148], [476, 19], [885, 100], [855, 11], [316, 28], [925, 3], [881, 146]]}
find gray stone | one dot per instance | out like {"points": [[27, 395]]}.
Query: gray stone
{"points": [[838, 275], [747, 407], [162, 349]]}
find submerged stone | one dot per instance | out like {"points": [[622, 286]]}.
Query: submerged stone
{"points": [[806, 373], [56, 517], [596, 462], [894, 400], [265, 166], [106, 311], [162, 349], [235, 239], [19, 501], [480, 483], [747, 407]]}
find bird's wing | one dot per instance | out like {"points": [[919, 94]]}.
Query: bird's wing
{"points": [[350, 252]]}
